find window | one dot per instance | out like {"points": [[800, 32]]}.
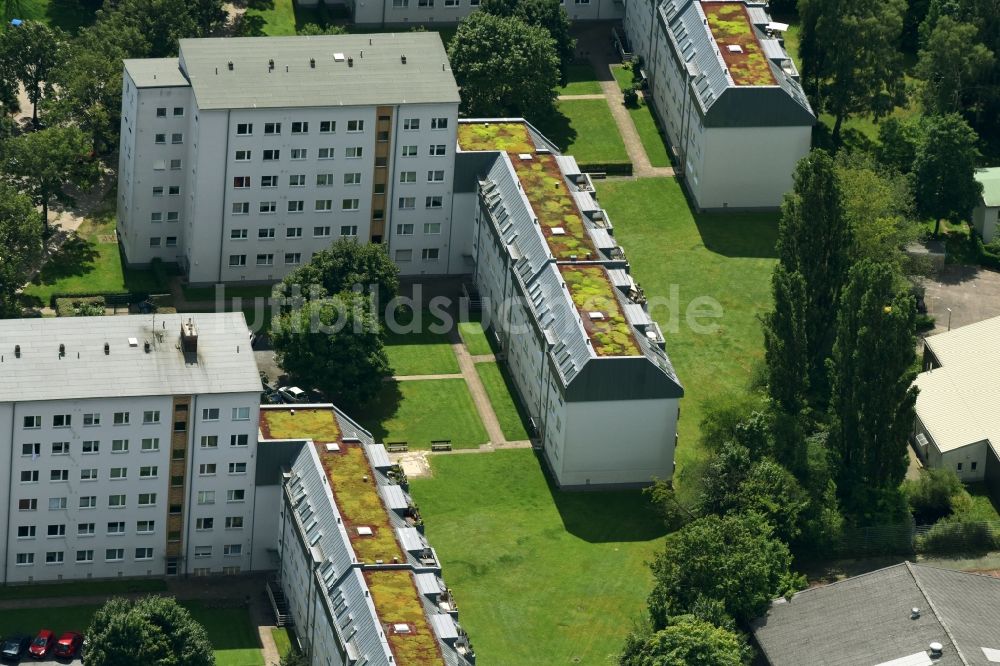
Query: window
{"points": [[57, 530], [150, 444], [84, 556], [404, 229], [353, 178], [88, 474], [93, 419], [244, 129], [60, 448], [411, 124], [321, 232], [171, 241], [148, 472], [145, 526], [24, 559], [175, 510], [425, 3], [209, 441], [241, 413], [86, 529], [54, 557], [204, 524], [355, 126], [439, 123], [34, 449], [143, 553], [116, 527], [268, 181], [268, 207], [436, 176], [206, 497], [88, 502], [32, 422], [238, 259], [156, 217], [432, 228], [324, 179], [175, 165], [327, 126], [265, 233], [238, 468], [114, 554], [350, 204], [174, 190], [160, 139], [119, 473], [242, 155], [234, 522], [429, 254], [177, 481], [172, 216], [272, 128], [161, 112], [237, 234], [297, 180], [119, 446], [211, 414], [62, 420], [158, 191], [959, 467], [300, 127], [299, 153], [121, 418], [178, 111], [974, 465], [239, 440], [202, 551], [407, 176], [57, 503], [407, 203], [348, 230], [241, 182], [265, 260], [326, 153], [399, 4], [236, 495], [232, 550], [409, 151], [147, 499], [176, 137], [206, 469], [91, 446], [59, 475], [29, 476], [149, 417], [116, 501], [26, 532], [354, 151], [27, 504], [271, 155], [293, 258], [154, 241], [324, 205], [241, 208], [432, 202], [293, 232], [438, 149], [404, 255]]}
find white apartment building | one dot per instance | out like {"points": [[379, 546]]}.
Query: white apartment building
{"points": [[242, 157], [383, 13], [728, 95], [130, 444], [588, 361]]}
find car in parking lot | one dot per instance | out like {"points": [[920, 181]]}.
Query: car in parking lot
{"points": [[68, 645], [14, 647], [42, 645], [293, 394]]}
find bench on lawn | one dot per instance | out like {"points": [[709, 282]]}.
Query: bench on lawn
{"points": [[440, 445], [397, 447]]}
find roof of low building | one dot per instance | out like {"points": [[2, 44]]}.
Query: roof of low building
{"points": [[155, 72], [957, 402], [990, 178], [324, 70], [224, 362], [868, 620]]}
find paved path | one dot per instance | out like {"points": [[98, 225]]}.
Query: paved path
{"points": [[483, 358], [476, 388]]}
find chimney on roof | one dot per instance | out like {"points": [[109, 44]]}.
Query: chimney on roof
{"points": [[350, 62], [312, 63], [189, 337], [62, 350], [17, 351], [936, 649], [914, 613], [230, 65], [402, 59], [107, 349]]}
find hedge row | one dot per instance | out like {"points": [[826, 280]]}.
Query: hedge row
{"points": [[119, 298], [69, 307], [610, 168]]}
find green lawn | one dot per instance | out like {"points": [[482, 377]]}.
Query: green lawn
{"points": [[279, 20], [502, 397], [90, 263], [424, 410], [80, 588], [649, 134], [727, 258], [564, 573], [582, 80], [623, 75], [421, 352], [282, 639], [585, 129], [70, 15], [474, 337]]}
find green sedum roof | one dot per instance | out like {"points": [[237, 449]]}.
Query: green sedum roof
{"points": [[990, 178]]}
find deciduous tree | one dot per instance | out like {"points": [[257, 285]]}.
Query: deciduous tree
{"points": [[34, 51], [348, 265], [686, 641], [944, 169], [548, 14], [153, 630], [952, 61], [786, 350], [20, 246]]}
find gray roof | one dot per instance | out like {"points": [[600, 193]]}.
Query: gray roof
{"points": [[224, 362], [349, 70], [721, 102], [866, 619], [155, 72]]}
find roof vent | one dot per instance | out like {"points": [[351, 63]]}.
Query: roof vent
{"points": [[17, 351], [524, 156], [338, 57], [914, 613], [936, 649], [146, 346], [270, 64], [133, 342], [62, 350], [734, 48], [364, 530], [230, 65], [401, 628], [402, 59], [332, 446], [558, 231], [312, 63], [107, 349], [596, 315], [350, 62]]}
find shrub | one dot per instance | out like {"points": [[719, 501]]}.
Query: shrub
{"points": [[85, 306], [925, 322], [631, 97], [947, 538], [931, 497]]}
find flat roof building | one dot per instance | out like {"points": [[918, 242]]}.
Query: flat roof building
{"points": [[984, 216]]}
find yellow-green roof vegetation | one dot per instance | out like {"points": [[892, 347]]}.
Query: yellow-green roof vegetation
{"points": [[592, 292], [319, 425], [397, 601], [731, 25], [506, 137]]}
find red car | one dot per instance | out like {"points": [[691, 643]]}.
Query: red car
{"points": [[69, 644], [42, 645]]}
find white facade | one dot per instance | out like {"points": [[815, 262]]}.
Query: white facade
{"points": [[381, 13]]}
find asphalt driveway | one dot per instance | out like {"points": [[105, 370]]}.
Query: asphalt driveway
{"points": [[972, 293]]}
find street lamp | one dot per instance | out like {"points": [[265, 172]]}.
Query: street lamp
{"points": [[949, 319]]}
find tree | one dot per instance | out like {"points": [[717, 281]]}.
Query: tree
{"points": [[931, 496], [851, 55], [155, 631], [951, 61], [733, 559], [334, 344], [20, 246], [944, 170], [43, 162], [786, 350], [897, 143], [348, 265], [686, 641], [548, 14], [871, 376], [815, 241], [34, 52], [504, 67]]}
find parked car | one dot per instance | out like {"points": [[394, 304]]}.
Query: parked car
{"points": [[293, 394], [317, 396], [270, 398], [69, 644], [14, 647], [42, 645]]}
